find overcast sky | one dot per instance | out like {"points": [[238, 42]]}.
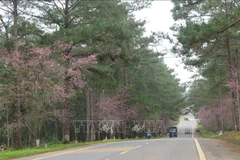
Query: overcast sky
{"points": [[159, 18]]}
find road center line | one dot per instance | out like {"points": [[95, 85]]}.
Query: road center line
{"points": [[124, 152], [199, 149], [130, 149]]}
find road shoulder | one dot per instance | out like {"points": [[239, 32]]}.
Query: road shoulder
{"points": [[217, 149]]}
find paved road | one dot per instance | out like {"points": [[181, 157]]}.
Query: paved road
{"points": [[160, 149], [184, 147]]}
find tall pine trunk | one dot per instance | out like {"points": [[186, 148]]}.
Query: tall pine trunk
{"points": [[90, 100], [231, 77], [66, 110], [67, 83], [18, 105]]}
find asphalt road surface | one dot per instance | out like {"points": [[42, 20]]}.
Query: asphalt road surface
{"points": [[183, 147]]}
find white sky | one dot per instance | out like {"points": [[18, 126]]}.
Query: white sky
{"points": [[159, 18]]}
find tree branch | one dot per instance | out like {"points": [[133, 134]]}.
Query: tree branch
{"points": [[59, 10], [5, 27], [229, 26], [6, 6]]}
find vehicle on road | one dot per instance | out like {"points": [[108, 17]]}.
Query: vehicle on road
{"points": [[186, 113], [172, 131], [198, 121], [149, 135], [188, 131]]}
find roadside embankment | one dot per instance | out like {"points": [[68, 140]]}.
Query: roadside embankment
{"points": [[232, 137]]}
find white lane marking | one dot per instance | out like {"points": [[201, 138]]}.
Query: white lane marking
{"points": [[108, 159], [146, 142], [130, 149], [199, 149]]}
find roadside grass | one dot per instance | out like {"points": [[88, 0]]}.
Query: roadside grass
{"points": [[232, 137], [207, 134], [12, 153]]}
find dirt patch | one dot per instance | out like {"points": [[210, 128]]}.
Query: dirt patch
{"points": [[231, 137], [229, 145]]}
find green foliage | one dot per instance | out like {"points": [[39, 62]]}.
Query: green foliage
{"points": [[207, 36], [108, 29], [155, 87], [207, 134]]}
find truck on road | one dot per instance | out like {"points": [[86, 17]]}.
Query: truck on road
{"points": [[172, 131]]}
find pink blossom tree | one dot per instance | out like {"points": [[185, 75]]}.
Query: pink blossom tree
{"points": [[75, 70], [115, 107], [217, 115], [31, 70], [233, 85], [41, 80]]}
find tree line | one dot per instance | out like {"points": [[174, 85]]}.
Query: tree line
{"points": [[208, 39], [79, 60]]}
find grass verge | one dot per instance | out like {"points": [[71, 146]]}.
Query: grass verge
{"points": [[207, 134], [11, 153], [232, 137]]}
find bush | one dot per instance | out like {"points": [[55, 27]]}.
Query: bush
{"points": [[206, 134]]}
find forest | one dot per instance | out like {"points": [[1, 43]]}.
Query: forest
{"points": [[207, 35], [81, 70], [65, 63]]}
